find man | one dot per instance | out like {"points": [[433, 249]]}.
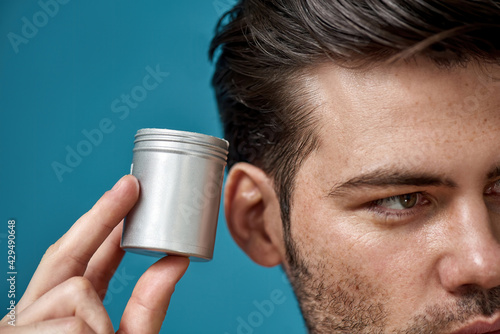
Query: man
{"points": [[365, 159]]}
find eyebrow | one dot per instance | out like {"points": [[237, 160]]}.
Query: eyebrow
{"points": [[384, 178]]}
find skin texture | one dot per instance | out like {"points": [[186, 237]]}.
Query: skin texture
{"points": [[365, 263]]}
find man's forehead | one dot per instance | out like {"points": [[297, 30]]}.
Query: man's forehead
{"points": [[406, 84], [404, 97], [408, 114]]}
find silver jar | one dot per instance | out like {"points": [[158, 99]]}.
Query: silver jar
{"points": [[180, 175]]}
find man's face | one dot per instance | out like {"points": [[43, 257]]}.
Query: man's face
{"points": [[396, 216]]}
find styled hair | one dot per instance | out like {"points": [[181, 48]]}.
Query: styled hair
{"points": [[263, 49]]}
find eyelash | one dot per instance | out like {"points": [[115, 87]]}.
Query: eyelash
{"points": [[422, 201], [386, 213]]}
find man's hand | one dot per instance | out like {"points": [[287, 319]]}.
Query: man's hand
{"points": [[62, 297]]}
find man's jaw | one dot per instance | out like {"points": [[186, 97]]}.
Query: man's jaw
{"points": [[481, 326]]}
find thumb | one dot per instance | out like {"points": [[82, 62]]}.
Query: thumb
{"points": [[147, 307]]}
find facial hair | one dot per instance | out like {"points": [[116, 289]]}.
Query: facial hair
{"points": [[472, 302], [351, 304]]}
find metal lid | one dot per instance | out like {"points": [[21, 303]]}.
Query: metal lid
{"points": [[181, 142]]}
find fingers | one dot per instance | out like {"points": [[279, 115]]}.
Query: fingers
{"points": [[148, 304], [70, 255], [88, 233], [75, 297], [59, 296], [53, 326], [105, 261]]}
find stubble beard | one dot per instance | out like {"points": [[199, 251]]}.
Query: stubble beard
{"points": [[350, 304]]}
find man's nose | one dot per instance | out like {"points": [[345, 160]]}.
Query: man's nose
{"points": [[471, 246]]}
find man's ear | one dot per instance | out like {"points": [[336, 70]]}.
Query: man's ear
{"points": [[253, 214]]}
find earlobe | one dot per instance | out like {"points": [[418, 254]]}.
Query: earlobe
{"points": [[252, 214]]}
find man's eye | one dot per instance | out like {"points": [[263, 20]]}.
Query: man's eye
{"points": [[400, 202]]}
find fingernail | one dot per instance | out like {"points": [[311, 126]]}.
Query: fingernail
{"points": [[117, 185]]}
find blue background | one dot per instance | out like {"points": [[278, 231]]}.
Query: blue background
{"points": [[62, 81]]}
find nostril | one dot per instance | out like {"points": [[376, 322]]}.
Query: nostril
{"points": [[468, 290]]}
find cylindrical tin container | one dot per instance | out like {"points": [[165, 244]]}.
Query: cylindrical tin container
{"points": [[180, 175]]}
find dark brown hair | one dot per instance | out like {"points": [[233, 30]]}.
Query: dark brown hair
{"points": [[264, 48]]}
